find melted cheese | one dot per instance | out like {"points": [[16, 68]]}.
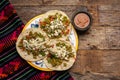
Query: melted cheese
{"points": [[58, 25]]}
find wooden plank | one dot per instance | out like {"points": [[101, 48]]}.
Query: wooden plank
{"points": [[93, 39], [62, 2], [26, 13], [109, 15], [112, 2], [109, 7], [100, 38], [109, 18], [93, 76], [97, 61], [26, 2], [103, 2], [113, 37], [81, 2]]}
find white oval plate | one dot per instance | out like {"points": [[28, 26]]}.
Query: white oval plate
{"points": [[33, 23]]}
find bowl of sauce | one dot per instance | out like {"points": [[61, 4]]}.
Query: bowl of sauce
{"points": [[81, 20]]}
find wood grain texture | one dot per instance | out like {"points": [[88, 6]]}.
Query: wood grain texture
{"points": [[113, 37], [62, 2], [100, 38], [109, 15], [109, 7], [98, 61], [99, 2], [109, 18], [26, 2], [93, 39], [93, 76]]}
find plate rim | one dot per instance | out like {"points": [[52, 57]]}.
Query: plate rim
{"points": [[40, 68]]}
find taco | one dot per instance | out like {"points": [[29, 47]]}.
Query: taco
{"points": [[30, 44], [56, 24], [61, 55]]}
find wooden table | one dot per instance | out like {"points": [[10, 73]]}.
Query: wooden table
{"points": [[98, 55]]}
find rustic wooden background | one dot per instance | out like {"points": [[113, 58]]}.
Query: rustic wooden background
{"points": [[98, 56]]}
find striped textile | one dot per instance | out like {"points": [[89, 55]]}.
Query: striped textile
{"points": [[12, 67]]}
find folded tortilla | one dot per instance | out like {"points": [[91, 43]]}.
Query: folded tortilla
{"points": [[59, 54], [58, 34], [31, 44]]}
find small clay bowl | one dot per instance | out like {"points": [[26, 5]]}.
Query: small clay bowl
{"points": [[81, 20]]}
